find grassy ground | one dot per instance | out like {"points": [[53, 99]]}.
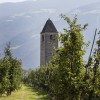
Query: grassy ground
{"points": [[25, 93]]}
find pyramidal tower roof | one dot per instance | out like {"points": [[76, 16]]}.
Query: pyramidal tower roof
{"points": [[49, 27]]}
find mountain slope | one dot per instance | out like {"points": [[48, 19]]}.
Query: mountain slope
{"points": [[21, 24]]}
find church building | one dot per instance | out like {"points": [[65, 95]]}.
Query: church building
{"points": [[48, 42]]}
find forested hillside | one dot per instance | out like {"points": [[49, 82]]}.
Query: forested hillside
{"points": [[22, 22]]}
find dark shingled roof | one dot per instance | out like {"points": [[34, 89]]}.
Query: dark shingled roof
{"points": [[49, 27]]}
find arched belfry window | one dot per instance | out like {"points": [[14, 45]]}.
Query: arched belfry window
{"points": [[42, 37], [51, 37]]}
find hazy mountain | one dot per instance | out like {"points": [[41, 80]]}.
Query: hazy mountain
{"points": [[21, 24], [88, 14]]}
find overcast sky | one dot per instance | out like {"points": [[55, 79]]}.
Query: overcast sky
{"points": [[68, 4], [69, 1], [2, 1]]}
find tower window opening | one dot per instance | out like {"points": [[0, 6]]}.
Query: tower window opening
{"points": [[42, 37], [51, 37]]}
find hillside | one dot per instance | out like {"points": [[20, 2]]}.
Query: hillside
{"points": [[21, 24]]}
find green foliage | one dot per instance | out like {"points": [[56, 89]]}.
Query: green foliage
{"points": [[10, 72], [70, 62], [66, 78]]}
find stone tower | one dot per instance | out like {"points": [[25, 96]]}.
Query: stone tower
{"points": [[48, 42]]}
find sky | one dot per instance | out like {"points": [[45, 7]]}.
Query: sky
{"points": [[69, 1], [68, 4], [3, 1]]}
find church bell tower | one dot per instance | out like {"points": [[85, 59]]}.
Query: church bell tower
{"points": [[48, 42]]}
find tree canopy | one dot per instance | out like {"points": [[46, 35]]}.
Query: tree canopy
{"points": [[66, 77], [10, 72]]}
